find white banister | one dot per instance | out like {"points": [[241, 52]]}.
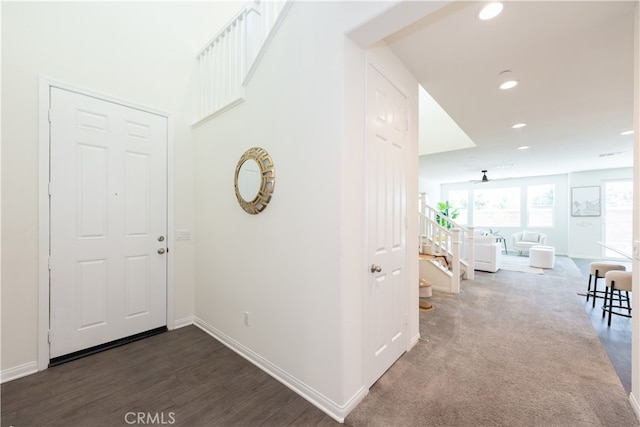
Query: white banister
{"points": [[227, 62], [455, 251], [448, 239]]}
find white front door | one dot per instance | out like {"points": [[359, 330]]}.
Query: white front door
{"points": [[108, 221], [386, 299]]}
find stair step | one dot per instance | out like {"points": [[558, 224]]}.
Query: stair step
{"points": [[425, 283], [425, 305], [442, 259]]}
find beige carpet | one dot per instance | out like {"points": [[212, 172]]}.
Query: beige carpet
{"points": [[519, 263], [511, 349]]}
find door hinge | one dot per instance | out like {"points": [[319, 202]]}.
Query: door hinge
{"points": [[49, 115], [49, 263], [49, 188], [49, 336]]}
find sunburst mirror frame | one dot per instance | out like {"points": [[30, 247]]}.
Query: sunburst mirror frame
{"points": [[267, 183]]}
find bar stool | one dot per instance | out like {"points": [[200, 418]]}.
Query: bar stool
{"points": [[598, 271], [617, 281]]}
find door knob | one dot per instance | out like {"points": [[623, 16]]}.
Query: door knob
{"points": [[161, 251], [161, 239], [375, 268]]}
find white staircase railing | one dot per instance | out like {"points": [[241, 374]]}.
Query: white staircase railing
{"points": [[448, 239], [227, 62]]}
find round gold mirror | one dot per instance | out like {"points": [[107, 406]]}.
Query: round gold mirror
{"points": [[254, 180]]}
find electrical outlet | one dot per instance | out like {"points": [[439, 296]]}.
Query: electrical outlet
{"points": [[246, 318]]}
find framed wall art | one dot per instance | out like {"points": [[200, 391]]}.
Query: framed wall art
{"points": [[585, 201]]}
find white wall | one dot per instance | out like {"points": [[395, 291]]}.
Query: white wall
{"points": [[584, 232], [431, 189], [298, 267], [283, 265], [139, 52]]}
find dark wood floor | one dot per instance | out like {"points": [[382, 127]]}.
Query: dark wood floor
{"points": [[615, 339], [181, 378]]}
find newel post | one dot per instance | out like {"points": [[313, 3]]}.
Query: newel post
{"points": [[471, 256], [423, 203], [455, 259]]}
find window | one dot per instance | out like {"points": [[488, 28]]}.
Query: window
{"points": [[498, 207], [618, 216], [540, 205], [459, 199]]}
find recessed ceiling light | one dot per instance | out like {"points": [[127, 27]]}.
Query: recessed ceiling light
{"points": [[627, 132], [490, 11], [506, 80], [508, 84], [524, 147], [518, 125]]}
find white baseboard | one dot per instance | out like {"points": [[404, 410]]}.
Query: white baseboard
{"points": [[335, 411], [18, 371], [441, 288], [635, 405], [414, 341], [181, 323]]}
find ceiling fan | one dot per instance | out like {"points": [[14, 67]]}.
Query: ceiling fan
{"points": [[483, 179]]}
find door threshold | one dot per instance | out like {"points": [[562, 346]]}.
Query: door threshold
{"points": [[106, 346]]}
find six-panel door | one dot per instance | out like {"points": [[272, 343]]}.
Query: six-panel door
{"points": [[108, 221]]}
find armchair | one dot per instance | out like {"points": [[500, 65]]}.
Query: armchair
{"points": [[487, 254], [524, 240]]}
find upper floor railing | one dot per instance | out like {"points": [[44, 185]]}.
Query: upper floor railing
{"points": [[227, 62]]}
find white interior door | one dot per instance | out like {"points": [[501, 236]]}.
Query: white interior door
{"points": [[108, 221], [387, 209]]}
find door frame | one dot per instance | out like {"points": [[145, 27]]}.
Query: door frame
{"points": [[45, 84]]}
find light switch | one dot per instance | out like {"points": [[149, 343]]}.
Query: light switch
{"points": [[636, 249], [183, 235]]}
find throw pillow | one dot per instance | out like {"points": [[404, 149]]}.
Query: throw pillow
{"points": [[529, 236]]}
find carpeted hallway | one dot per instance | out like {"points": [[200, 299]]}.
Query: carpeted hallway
{"points": [[512, 349]]}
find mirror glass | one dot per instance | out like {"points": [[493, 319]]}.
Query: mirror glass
{"points": [[249, 180], [254, 180]]}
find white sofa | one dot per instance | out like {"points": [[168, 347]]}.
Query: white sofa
{"points": [[524, 240], [487, 254]]}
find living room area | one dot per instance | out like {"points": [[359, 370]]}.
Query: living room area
{"points": [[580, 216], [548, 206]]}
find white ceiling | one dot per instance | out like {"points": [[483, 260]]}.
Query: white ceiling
{"points": [[574, 61]]}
